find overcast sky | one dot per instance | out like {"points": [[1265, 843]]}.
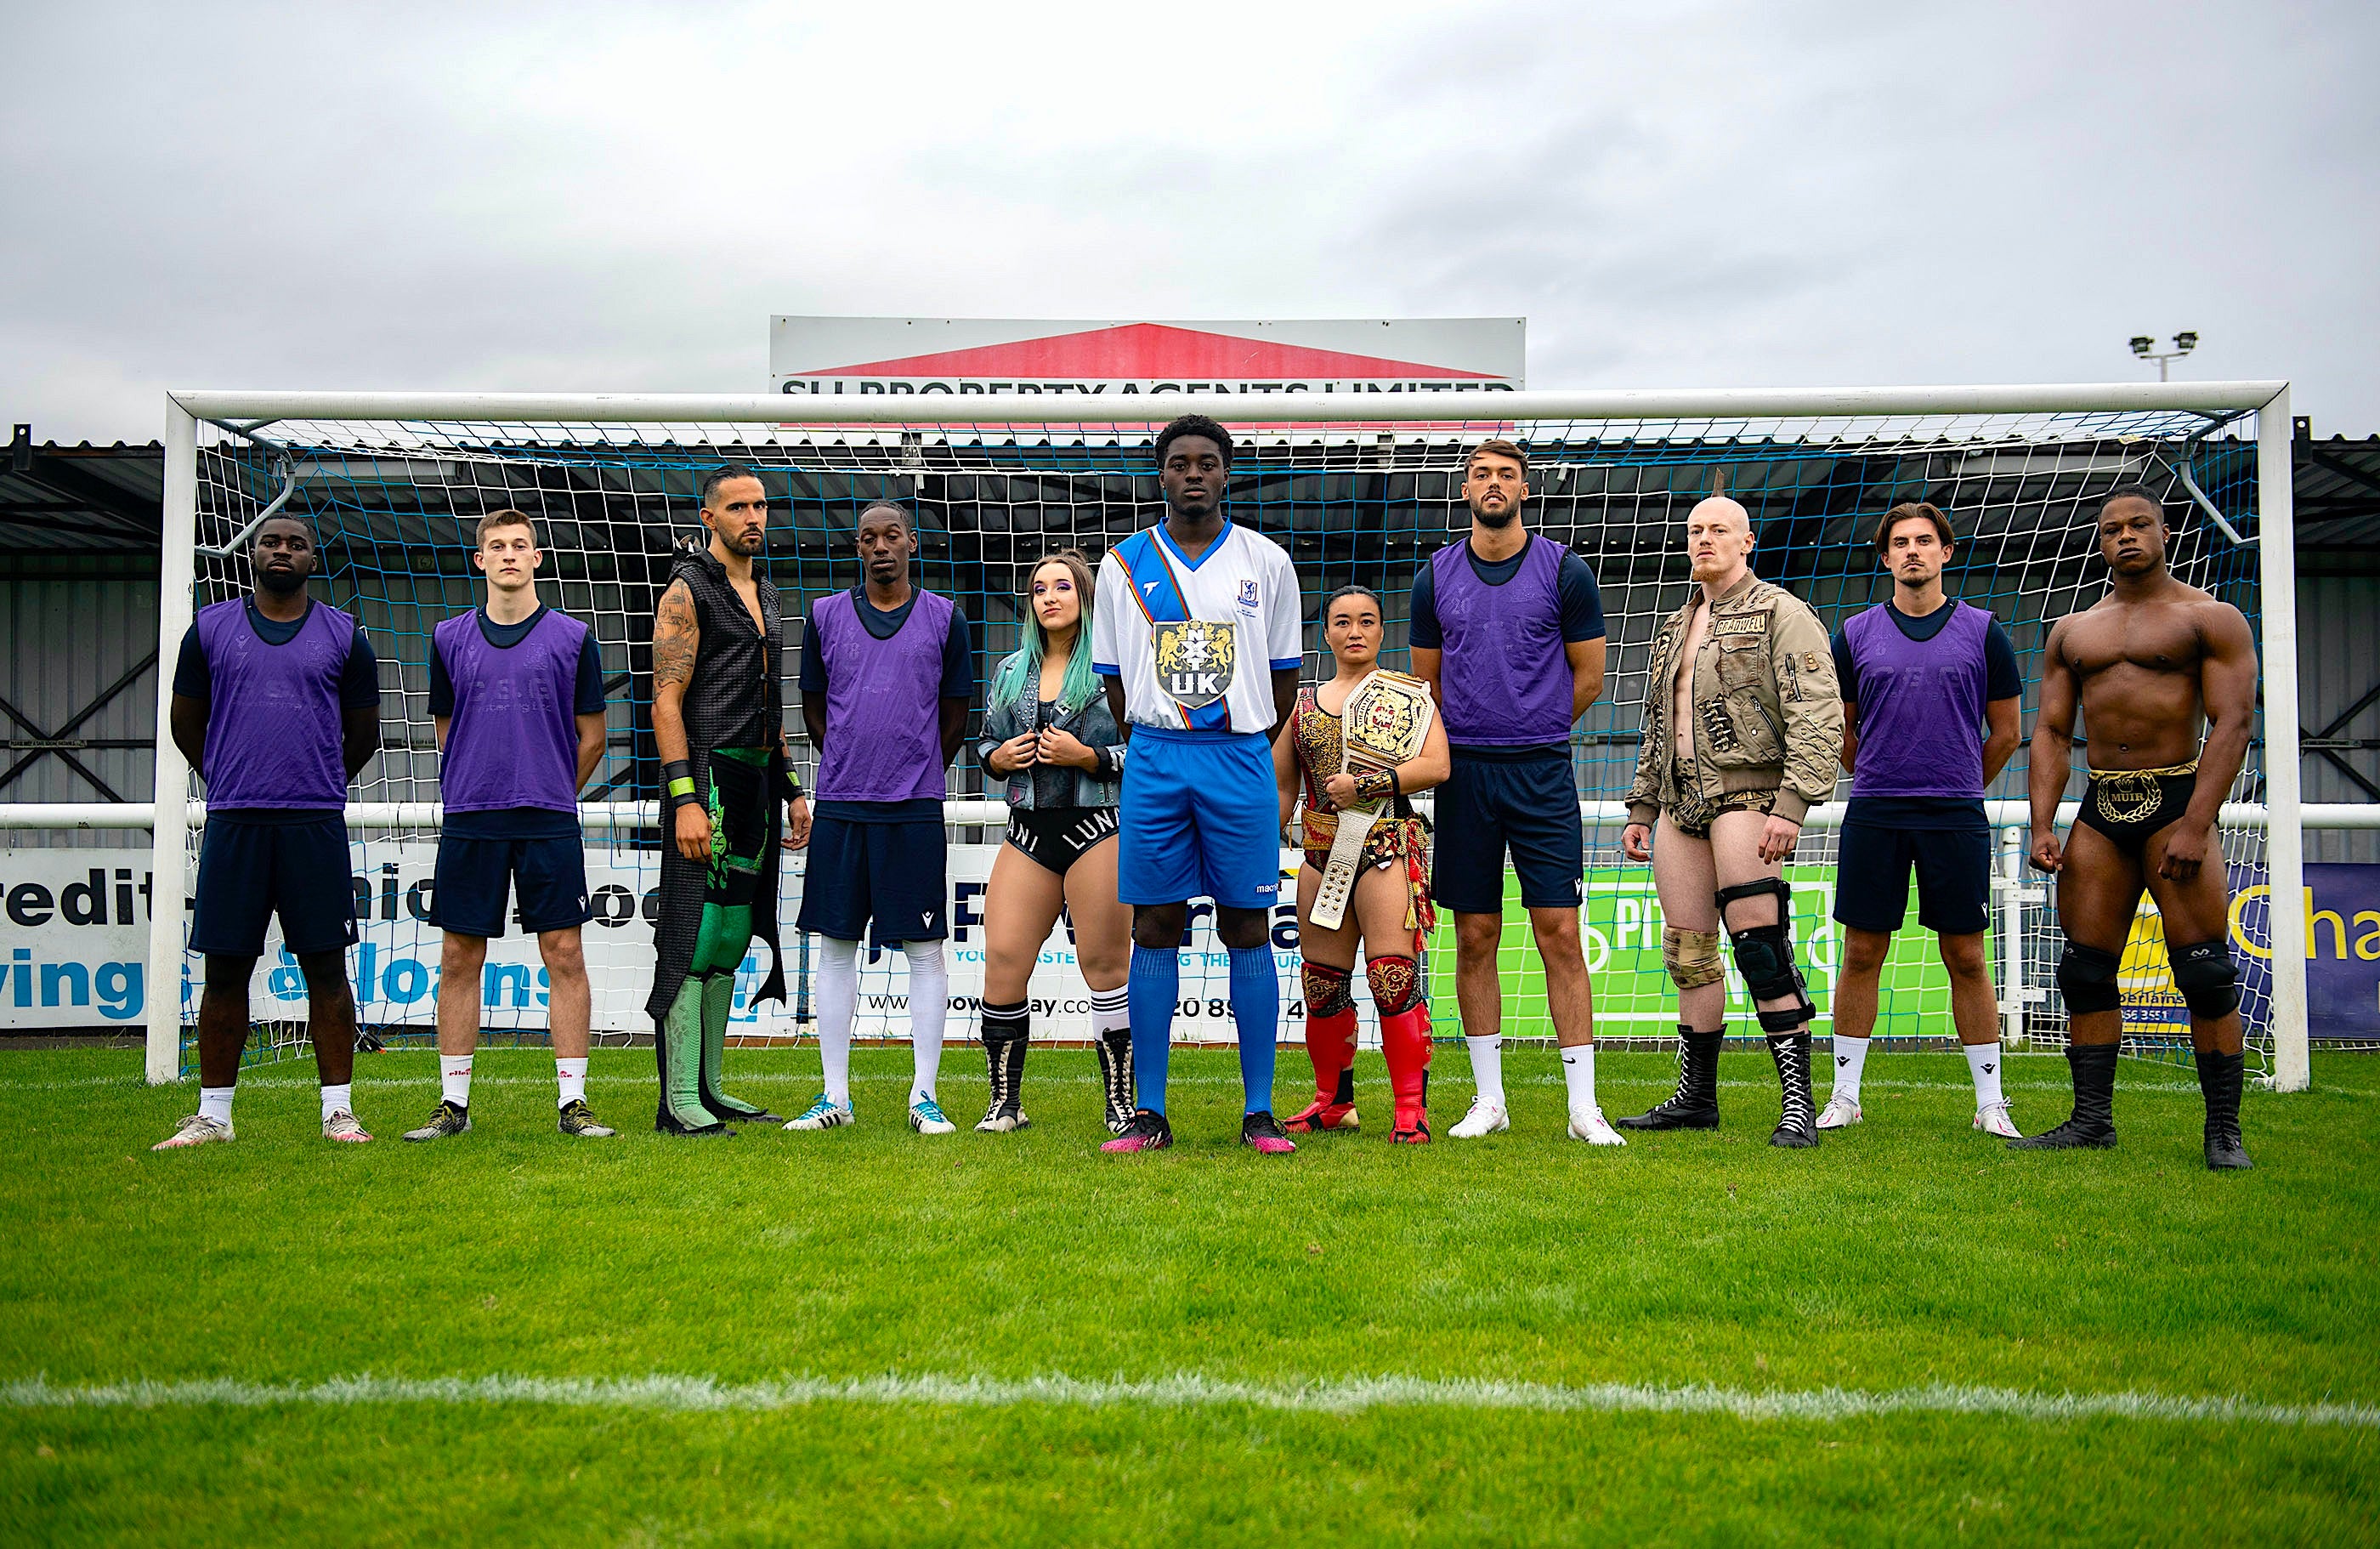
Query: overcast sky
{"points": [[614, 197]]}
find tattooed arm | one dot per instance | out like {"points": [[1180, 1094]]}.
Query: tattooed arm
{"points": [[675, 638]]}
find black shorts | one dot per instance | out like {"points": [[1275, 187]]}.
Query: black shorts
{"points": [[2128, 809], [250, 868], [1490, 806], [475, 877], [890, 873], [1954, 878], [1055, 837]]}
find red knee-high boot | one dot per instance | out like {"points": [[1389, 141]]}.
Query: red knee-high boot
{"points": [[1330, 1044], [1404, 1039]]}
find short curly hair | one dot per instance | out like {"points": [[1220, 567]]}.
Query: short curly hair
{"points": [[1194, 424]]}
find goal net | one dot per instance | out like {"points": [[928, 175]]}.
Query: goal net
{"points": [[1357, 489]]}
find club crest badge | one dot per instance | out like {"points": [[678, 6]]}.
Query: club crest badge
{"points": [[1248, 595], [1196, 660]]}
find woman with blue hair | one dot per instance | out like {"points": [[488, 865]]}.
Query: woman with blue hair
{"points": [[1048, 732]]}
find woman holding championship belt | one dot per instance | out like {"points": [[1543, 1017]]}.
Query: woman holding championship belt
{"points": [[1360, 745]]}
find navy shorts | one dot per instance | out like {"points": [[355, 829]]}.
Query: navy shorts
{"points": [[1954, 878], [475, 875], [250, 870], [1490, 806], [892, 873]]}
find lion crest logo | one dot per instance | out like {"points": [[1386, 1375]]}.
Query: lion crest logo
{"points": [[1195, 660]]}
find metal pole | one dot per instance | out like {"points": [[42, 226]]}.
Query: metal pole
{"points": [[169, 814], [2284, 834], [2012, 936]]}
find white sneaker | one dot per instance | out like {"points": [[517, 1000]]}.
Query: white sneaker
{"points": [[196, 1131], [342, 1125], [926, 1118], [1485, 1118], [1992, 1119], [1588, 1125], [1842, 1112], [824, 1114]]}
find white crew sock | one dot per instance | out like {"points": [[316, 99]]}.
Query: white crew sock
{"points": [[1850, 1058], [454, 1079], [1578, 1076], [930, 1005], [339, 1099], [1110, 1011], [1984, 1064], [215, 1103], [571, 1076], [838, 1003], [1488, 1066]]}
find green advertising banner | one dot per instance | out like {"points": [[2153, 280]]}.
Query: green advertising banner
{"points": [[1622, 933]]}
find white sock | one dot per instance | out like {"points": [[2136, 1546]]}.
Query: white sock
{"points": [[454, 1079], [215, 1103], [930, 1005], [571, 1075], [838, 1003], [338, 1099], [1984, 1064], [1110, 1011], [1488, 1066], [1578, 1075], [1850, 1058]]}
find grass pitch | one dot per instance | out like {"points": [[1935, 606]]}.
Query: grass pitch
{"points": [[1910, 1334]]}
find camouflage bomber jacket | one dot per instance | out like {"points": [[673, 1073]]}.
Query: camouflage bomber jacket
{"points": [[1768, 712]]}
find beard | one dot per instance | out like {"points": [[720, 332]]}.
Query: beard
{"points": [[280, 583], [1496, 520]]}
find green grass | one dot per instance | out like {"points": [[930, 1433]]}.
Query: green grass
{"points": [[1910, 1254]]}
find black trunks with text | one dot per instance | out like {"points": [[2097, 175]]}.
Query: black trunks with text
{"points": [[1056, 838], [2129, 805]]}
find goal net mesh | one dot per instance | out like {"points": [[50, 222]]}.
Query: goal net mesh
{"points": [[393, 505]]}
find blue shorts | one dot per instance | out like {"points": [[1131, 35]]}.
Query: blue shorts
{"points": [[1954, 878], [251, 868], [1201, 818], [893, 873], [475, 874], [1489, 806]]}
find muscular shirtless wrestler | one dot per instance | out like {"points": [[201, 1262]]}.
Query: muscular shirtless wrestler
{"points": [[2146, 663]]}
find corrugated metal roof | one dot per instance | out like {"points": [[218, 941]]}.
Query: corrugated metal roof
{"points": [[82, 499]]}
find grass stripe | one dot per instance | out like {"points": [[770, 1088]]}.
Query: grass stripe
{"points": [[1185, 1390]]}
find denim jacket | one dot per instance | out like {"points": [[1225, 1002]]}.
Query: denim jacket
{"points": [[1091, 725]]}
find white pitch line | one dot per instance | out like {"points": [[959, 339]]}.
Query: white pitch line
{"points": [[1185, 1390]]}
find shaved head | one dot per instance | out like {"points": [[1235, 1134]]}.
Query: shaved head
{"points": [[1719, 507]]}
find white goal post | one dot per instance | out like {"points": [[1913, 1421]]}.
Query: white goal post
{"points": [[1391, 418]]}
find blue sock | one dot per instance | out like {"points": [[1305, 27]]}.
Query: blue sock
{"points": [[1155, 985], [1255, 1009]]}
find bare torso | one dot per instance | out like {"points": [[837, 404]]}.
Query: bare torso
{"points": [[2136, 668], [1682, 684], [749, 591]]}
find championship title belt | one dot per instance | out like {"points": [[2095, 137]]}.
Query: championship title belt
{"points": [[1382, 724]]}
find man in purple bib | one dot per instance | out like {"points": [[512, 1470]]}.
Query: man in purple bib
{"points": [[887, 672], [1931, 701], [1508, 631], [517, 697], [276, 705]]}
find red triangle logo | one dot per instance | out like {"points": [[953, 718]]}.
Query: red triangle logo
{"points": [[1148, 352]]}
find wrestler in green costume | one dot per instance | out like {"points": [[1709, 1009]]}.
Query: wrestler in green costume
{"points": [[717, 699]]}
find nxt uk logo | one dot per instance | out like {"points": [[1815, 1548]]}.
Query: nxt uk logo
{"points": [[1195, 660]]}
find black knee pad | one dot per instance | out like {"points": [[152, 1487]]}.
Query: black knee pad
{"points": [[2208, 982], [2086, 977], [1327, 992], [1396, 984], [1764, 954]]}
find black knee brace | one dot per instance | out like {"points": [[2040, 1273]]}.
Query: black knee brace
{"points": [[1764, 954], [2208, 982], [2086, 977], [1327, 992]]}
